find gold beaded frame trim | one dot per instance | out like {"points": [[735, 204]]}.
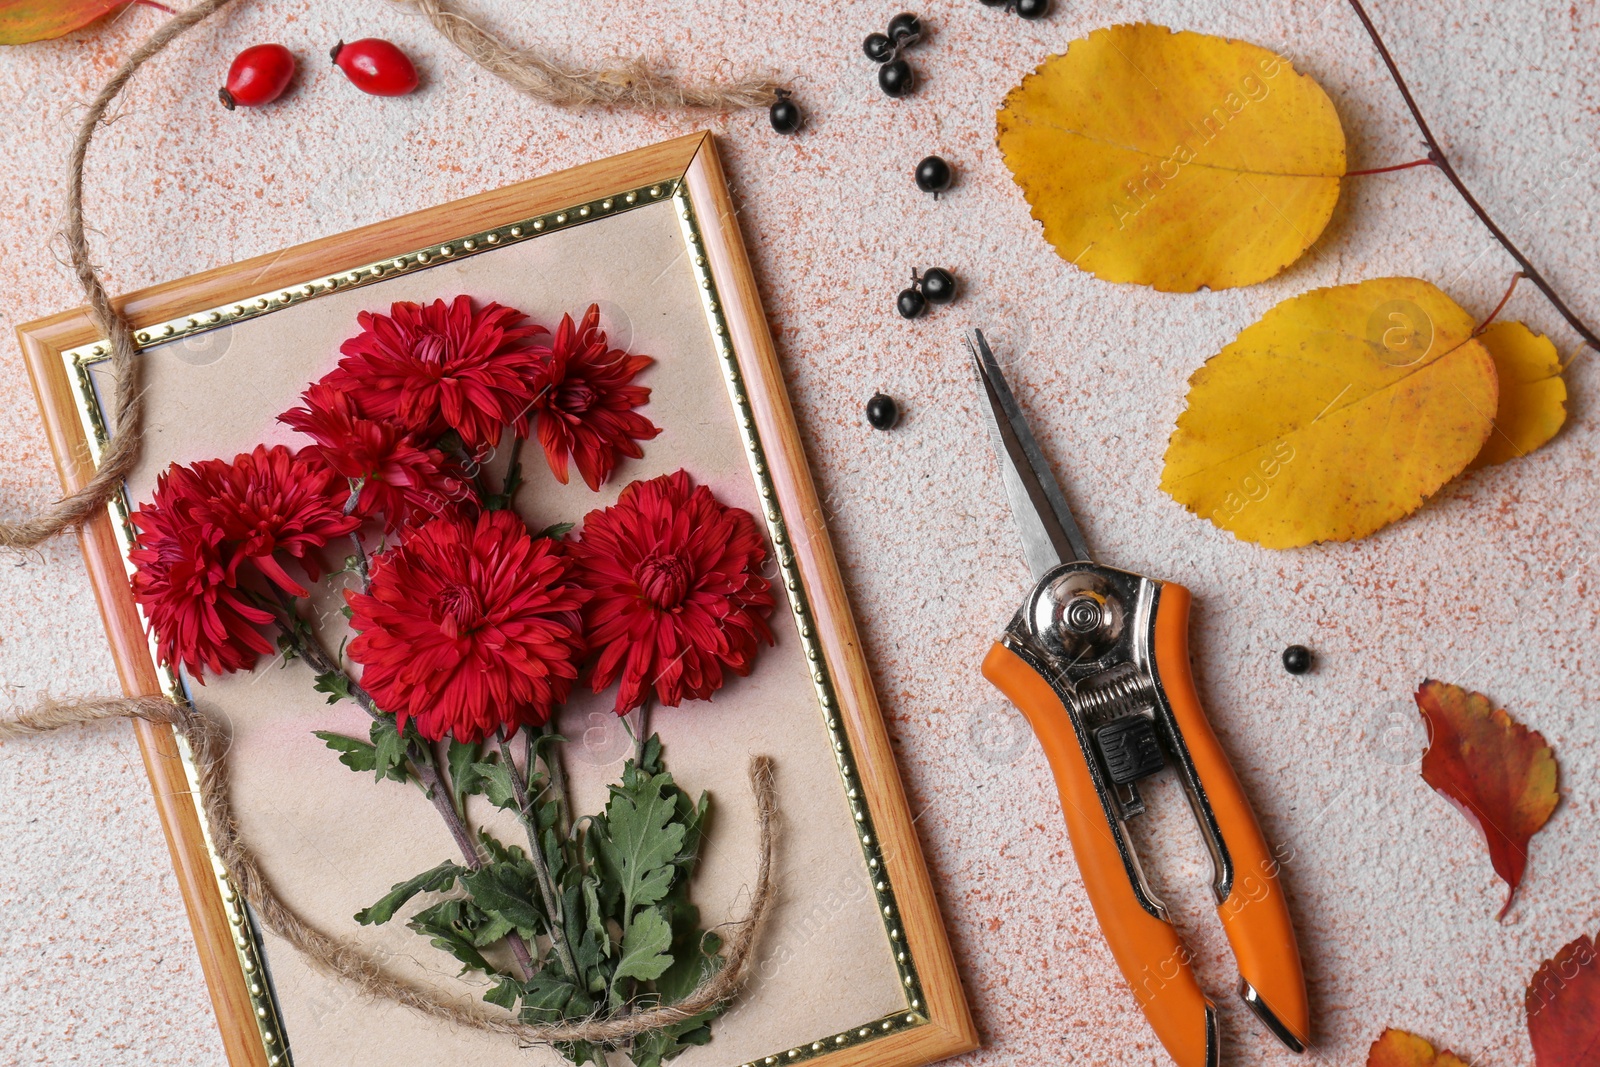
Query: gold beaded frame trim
{"points": [[247, 944], [246, 938], [777, 530]]}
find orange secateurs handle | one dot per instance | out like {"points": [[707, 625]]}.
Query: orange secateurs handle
{"points": [[1145, 945], [1098, 661]]}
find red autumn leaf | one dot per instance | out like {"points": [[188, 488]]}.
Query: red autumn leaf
{"points": [[1564, 1008], [23, 21], [1498, 772], [1396, 1048]]}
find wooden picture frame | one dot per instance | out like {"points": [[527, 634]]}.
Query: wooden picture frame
{"points": [[60, 351]]}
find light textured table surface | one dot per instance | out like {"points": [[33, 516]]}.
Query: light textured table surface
{"points": [[1488, 586]]}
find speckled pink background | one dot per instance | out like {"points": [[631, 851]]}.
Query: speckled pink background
{"points": [[1488, 586]]}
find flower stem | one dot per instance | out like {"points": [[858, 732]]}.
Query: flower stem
{"points": [[423, 762], [321, 660], [554, 772], [428, 774], [547, 887], [641, 734], [356, 486], [423, 765], [513, 482], [1436, 154]]}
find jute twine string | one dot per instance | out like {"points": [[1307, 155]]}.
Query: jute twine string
{"points": [[340, 959], [127, 402], [625, 83], [628, 84]]}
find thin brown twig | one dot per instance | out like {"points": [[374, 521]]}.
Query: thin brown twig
{"points": [[1436, 153]]}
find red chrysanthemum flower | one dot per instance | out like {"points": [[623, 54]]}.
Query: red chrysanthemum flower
{"points": [[402, 479], [273, 500], [583, 402], [187, 581], [470, 626], [442, 366], [677, 596]]}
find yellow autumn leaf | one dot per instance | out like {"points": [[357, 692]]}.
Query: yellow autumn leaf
{"points": [[1533, 397], [1337, 413], [1175, 160]]}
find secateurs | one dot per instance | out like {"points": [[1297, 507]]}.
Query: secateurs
{"points": [[1097, 659]]}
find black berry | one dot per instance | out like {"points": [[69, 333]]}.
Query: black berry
{"points": [[933, 175], [895, 77], [878, 47], [1297, 659], [905, 28], [910, 303], [937, 285], [785, 113], [1031, 9], [882, 412]]}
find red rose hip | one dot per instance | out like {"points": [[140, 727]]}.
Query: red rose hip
{"points": [[375, 66], [259, 75]]}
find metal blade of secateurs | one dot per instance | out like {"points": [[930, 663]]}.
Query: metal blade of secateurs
{"points": [[1050, 535]]}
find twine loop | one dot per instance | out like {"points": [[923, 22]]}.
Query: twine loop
{"points": [[341, 959]]}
